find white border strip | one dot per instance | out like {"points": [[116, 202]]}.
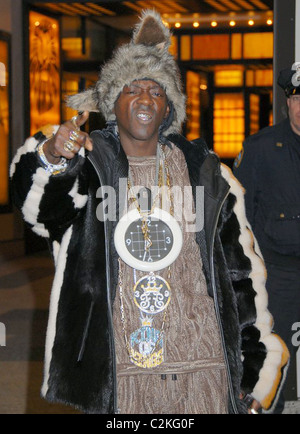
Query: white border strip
{"points": [[264, 320], [61, 260]]}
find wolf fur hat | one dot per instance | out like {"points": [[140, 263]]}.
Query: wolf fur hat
{"points": [[147, 56]]}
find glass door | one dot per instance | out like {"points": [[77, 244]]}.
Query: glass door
{"points": [[228, 124]]}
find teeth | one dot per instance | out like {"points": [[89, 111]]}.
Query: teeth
{"points": [[144, 116]]}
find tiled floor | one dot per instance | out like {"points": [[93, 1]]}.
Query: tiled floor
{"points": [[24, 294], [25, 285]]}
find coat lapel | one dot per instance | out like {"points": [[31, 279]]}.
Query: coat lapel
{"points": [[204, 170]]}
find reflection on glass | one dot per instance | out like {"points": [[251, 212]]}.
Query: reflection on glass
{"points": [[4, 122], [229, 124], [44, 71]]}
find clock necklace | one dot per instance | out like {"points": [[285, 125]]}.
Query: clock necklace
{"points": [[148, 239]]}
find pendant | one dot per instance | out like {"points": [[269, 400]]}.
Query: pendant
{"points": [[152, 294], [146, 347], [148, 243]]}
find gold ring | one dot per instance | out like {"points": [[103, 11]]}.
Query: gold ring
{"points": [[69, 146], [74, 122], [74, 136]]}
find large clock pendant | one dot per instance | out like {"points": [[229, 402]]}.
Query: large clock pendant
{"points": [[150, 243]]}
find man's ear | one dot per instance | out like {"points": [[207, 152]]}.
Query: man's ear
{"points": [[167, 111]]}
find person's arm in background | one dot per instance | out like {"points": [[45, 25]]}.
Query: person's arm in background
{"points": [[245, 169]]}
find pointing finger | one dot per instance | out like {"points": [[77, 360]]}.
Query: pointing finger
{"points": [[81, 119]]}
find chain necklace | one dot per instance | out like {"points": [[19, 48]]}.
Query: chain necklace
{"points": [[133, 199], [155, 355], [152, 293]]}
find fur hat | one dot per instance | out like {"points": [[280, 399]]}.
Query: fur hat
{"points": [[147, 56]]}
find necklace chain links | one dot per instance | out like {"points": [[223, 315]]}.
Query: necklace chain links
{"points": [[163, 176]]}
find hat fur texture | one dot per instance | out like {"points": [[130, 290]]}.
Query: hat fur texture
{"points": [[147, 56]]}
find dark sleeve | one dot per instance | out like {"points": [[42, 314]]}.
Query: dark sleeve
{"points": [[245, 169]]}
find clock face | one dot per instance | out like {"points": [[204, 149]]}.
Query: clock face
{"points": [[158, 246], [161, 246]]}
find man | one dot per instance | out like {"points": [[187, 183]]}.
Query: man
{"points": [[145, 315], [269, 169]]}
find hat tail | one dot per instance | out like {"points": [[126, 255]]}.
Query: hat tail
{"points": [[151, 31]]}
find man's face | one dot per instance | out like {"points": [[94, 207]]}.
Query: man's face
{"points": [[293, 103], [140, 110]]}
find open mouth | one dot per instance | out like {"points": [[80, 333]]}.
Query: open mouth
{"points": [[144, 116]]}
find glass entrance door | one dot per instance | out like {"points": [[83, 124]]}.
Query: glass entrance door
{"points": [[228, 124]]}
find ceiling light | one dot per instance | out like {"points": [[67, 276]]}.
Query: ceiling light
{"points": [[269, 22], [232, 23], [177, 25], [251, 23], [196, 24], [214, 23]]}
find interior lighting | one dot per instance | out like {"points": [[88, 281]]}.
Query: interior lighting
{"points": [[269, 22], [37, 23], [214, 23], [232, 23], [196, 24], [251, 23], [178, 25]]}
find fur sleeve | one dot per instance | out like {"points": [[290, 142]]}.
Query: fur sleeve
{"points": [[265, 355], [49, 203]]}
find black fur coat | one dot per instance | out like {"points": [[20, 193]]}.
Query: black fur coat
{"points": [[79, 355]]}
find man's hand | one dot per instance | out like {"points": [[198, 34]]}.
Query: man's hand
{"points": [[56, 147], [255, 407]]}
